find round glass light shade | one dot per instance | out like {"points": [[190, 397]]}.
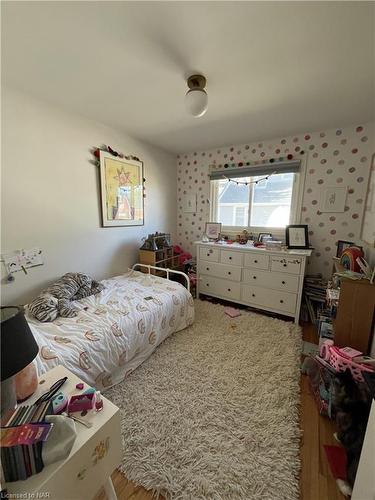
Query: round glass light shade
{"points": [[196, 101]]}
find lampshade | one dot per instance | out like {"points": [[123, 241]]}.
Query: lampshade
{"points": [[196, 101], [18, 346]]}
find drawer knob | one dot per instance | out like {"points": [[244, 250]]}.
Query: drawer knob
{"points": [[285, 265], [230, 258], [207, 284], [255, 261], [229, 272], [254, 277], [207, 268], [229, 289], [283, 282], [281, 301], [253, 294], [208, 255]]}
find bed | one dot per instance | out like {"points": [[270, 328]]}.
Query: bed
{"points": [[115, 330]]}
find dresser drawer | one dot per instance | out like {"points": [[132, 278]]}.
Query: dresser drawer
{"points": [[210, 254], [257, 261], [229, 257], [267, 279], [220, 270], [273, 299], [216, 286], [286, 264]]}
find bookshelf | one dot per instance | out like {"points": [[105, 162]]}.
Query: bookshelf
{"points": [[163, 257]]}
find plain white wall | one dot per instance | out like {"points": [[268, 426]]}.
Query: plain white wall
{"points": [[51, 198]]}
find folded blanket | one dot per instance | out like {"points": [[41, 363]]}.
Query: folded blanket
{"points": [[57, 299]]}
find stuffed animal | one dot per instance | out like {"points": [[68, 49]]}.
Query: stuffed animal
{"points": [[57, 299]]}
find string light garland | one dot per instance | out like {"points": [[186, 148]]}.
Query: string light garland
{"points": [[242, 183]]}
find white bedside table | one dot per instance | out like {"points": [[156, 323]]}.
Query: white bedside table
{"points": [[96, 452]]}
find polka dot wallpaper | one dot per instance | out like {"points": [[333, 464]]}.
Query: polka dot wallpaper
{"points": [[337, 157]]}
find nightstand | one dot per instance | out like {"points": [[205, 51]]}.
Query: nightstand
{"points": [[96, 452]]}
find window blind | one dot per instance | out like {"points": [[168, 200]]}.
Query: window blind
{"points": [[278, 167]]}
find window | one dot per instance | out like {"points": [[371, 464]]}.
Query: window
{"points": [[271, 203]]}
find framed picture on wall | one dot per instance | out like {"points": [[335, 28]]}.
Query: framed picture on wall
{"points": [[121, 185], [297, 236], [333, 199], [213, 230]]}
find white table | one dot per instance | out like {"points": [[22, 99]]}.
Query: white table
{"points": [[96, 452]]}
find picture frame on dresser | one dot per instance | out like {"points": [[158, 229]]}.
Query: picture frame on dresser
{"points": [[213, 230], [297, 236]]}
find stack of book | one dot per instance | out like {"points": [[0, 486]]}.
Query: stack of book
{"points": [[23, 432], [314, 293]]}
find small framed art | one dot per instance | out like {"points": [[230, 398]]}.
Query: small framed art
{"points": [[213, 230], [297, 236], [341, 245], [333, 199], [264, 236]]}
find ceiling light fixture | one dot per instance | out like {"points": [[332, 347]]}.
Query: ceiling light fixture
{"points": [[196, 98]]}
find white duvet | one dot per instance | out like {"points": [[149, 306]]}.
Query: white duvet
{"points": [[115, 330]]}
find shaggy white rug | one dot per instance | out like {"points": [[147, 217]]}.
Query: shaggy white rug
{"points": [[213, 413]]}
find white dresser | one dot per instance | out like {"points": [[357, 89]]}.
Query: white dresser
{"points": [[264, 279]]}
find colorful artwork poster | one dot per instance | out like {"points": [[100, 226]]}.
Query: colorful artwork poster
{"points": [[121, 191]]}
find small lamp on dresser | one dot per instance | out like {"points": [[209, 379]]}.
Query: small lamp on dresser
{"points": [[18, 349]]}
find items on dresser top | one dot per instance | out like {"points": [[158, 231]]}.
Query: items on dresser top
{"points": [[251, 276]]}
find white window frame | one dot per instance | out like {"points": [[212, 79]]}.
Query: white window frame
{"points": [[295, 207]]}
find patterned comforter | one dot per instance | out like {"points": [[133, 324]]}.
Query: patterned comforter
{"points": [[115, 330]]}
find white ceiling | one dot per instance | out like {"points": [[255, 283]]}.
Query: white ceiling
{"points": [[273, 68]]}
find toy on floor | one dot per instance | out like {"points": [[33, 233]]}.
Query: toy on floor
{"points": [[232, 312], [342, 358]]}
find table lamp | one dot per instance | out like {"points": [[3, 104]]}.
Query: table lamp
{"points": [[18, 349]]}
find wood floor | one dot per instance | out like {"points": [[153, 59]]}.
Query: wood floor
{"points": [[316, 481]]}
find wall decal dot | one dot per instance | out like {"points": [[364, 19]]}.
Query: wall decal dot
{"points": [[307, 137], [315, 155], [338, 132], [341, 162], [354, 151], [364, 139], [359, 129], [322, 134], [350, 190], [247, 146], [351, 235], [314, 202], [277, 151], [332, 218], [318, 212], [309, 190], [363, 159], [307, 219], [297, 149], [346, 209], [323, 162], [295, 139], [283, 141], [311, 233], [320, 181], [253, 151], [329, 171], [324, 145], [351, 169], [333, 231], [343, 141], [345, 224], [311, 147], [359, 201], [339, 180], [355, 216], [321, 224], [336, 152], [231, 149], [360, 179], [327, 249], [304, 209]]}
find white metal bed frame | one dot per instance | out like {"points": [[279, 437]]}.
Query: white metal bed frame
{"points": [[166, 270]]}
